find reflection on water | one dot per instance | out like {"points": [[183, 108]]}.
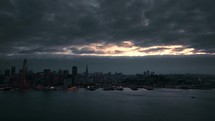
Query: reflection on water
{"points": [[99, 105]]}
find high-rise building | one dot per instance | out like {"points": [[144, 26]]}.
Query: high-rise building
{"points": [[24, 66], [74, 74], [65, 74], [47, 71], [60, 72], [74, 70], [47, 76], [13, 71], [60, 76], [67, 82], [86, 75], [23, 75]]}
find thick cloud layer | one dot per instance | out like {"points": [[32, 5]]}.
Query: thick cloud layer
{"points": [[47, 26]]}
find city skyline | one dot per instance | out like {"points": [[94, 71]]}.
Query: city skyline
{"points": [[47, 79]]}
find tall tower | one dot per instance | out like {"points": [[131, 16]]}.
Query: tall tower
{"points": [[86, 81], [23, 74], [25, 68], [24, 64], [13, 70], [87, 72], [74, 74]]}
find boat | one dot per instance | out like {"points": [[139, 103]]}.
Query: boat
{"points": [[148, 88], [133, 88], [119, 88], [71, 89], [6, 88], [39, 87], [52, 88], [92, 88]]}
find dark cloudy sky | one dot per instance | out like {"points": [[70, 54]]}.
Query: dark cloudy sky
{"points": [[167, 36]]}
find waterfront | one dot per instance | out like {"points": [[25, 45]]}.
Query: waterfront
{"points": [[99, 105]]}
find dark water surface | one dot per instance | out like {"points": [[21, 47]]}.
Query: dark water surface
{"points": [[99, 105]]}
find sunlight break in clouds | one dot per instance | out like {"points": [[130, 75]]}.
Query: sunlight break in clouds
{"points": [[128, 48]]}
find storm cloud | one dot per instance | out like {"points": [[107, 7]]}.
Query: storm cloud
{"points": [[48, 26]]}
